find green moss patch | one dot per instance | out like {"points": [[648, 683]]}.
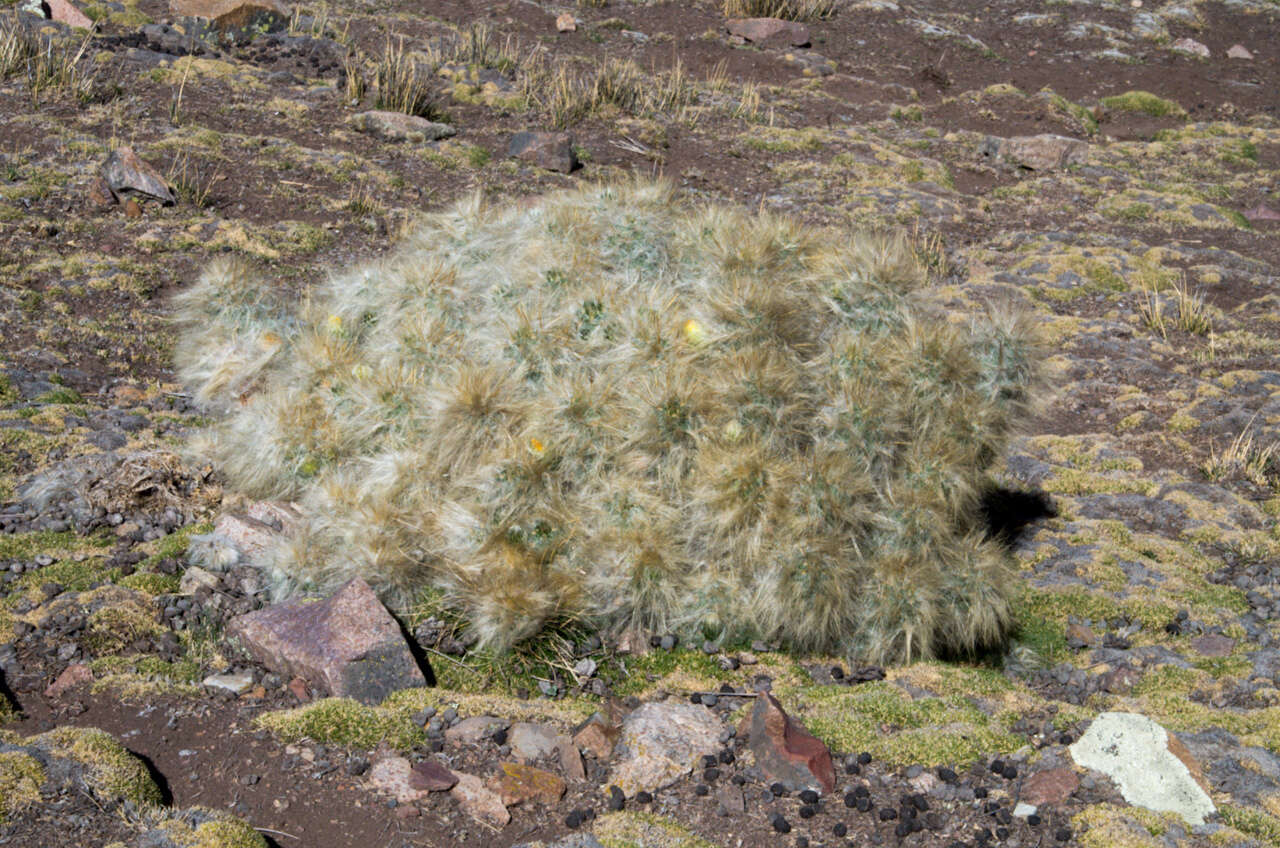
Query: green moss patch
{"points": [[1144, 102], [884, 720], [202, 828], [645, 830], [21, 777], [110, 770], [342, 721]]}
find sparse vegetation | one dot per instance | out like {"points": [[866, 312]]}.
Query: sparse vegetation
{"points": [[1247, 457], [793, 10], [398, 84], [1144, 102], [1179, 309]]}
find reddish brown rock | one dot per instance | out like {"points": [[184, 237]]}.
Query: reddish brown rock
{"points": [[517, 783], [250, 536], [1081, 636], [1213, 645], [566, 22], [1051, 786], [1121, 680], [125, 172], [1179, 750], [430, 775], [552, 151], [769, 32], [347, 645], [786, 751], [478, 801], [597, 737], [298, 687], [72, 676], [1262, 212], [396, 777], [65, 12], [132, 209]]}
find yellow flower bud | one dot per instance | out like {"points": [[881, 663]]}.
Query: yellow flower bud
{"points": [[334, 324], [733, 431], [535, 445]]}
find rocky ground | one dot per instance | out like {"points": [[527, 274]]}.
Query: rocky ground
{"points": [[1143, 240]]}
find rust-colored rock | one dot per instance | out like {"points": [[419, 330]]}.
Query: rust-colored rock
{"points": [[132, 209], [566, 22], [347, 645], [72, 676], [124, 172], [430, 775], [517, 783], [1121, 680], [786, 751], [1051, 786], [1081, 636], [298, 687], [1179, 750], [769, 32]]}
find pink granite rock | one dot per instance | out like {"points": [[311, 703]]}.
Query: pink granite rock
{"points": [[769, 31], [347, 645]]}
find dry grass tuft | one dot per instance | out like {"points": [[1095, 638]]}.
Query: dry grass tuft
{"points": [[1245, 457], [399, 85], [606, 407], [1180, 309], [791, 10]]}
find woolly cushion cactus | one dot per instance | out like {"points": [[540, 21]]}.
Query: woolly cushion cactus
{"points": [[609, 406]]}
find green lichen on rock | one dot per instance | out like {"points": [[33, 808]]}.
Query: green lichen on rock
{"points": [[608, 407], [21, 777]]}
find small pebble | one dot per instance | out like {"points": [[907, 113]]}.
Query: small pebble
{"points": [[780, 824]]}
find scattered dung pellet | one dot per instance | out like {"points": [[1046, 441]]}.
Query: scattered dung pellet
{"points": [[864, 758], [1062, 834], [997, 766], [850, 800], [808, 796], [701, 790], [1009, 772], [780, 824], [888, 814], [573, 821], [839, 829], [947, 775], [617, 800], [808, 812], [778, 790]]}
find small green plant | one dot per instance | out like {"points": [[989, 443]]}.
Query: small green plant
{"points": [[193, 182], [607, 408], [1187, 312]]}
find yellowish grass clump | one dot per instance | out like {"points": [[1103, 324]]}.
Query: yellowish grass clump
{"points": [[607, 406]]}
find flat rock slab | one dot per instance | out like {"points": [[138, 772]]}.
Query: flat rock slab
{"points": [[1213, 645], [1152, 768], [531, 741], [430, 774], [347, 645], [394, 776], [397, 126], [1051, 786], [786, 751], [516, 783], [469, 731], [769, 32], [66, 12], [125, 172], [72, 676], [661, 743]]}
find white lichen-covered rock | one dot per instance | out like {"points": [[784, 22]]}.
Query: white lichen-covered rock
{"points": [[662, 743], [1149, 765]]}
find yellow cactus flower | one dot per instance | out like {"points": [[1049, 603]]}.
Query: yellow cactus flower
{"points": [[536, 446], [694, 333], [334, 323], [270, 341], [733, 431]]}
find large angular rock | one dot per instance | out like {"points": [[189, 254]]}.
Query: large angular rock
{"points": [[234, 15], [662, 742], [552, 151], [1151, 767], [397, 126], [347, 645], [786, 752], [126, 173], [66, 12], [1045, 152], [769, 32]]}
